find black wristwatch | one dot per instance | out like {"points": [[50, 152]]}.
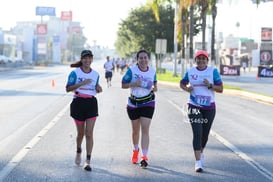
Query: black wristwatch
{"points": [[210, 86]]}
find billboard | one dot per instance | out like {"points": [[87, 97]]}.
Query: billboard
{"points": [[41, 29], [74, 29], [42, 11], [41, 45], [266, 34], [66, 15]]}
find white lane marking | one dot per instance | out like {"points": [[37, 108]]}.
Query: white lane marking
{"points": [[23, 152], [242, 155], [237, 151]]}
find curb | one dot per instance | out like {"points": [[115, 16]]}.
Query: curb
{"points": [[240, 93], [250, 96]]}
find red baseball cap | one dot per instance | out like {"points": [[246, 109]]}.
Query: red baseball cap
{"points": [[201, 52]]}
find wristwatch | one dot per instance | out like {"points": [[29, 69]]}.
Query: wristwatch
{"points": [[210, 86]]}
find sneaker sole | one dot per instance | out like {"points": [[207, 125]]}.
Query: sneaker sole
{"points": [[143, 164], [88, 168], [199, 170]]}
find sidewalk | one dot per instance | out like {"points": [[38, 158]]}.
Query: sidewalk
{"points": [[244, 94]]}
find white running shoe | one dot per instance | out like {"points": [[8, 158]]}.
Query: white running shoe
{"points": [[198, 166], [87, 166]]}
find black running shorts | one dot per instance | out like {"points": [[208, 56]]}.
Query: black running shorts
{"points": [[108, 74], [136, 113], [84, 108]]}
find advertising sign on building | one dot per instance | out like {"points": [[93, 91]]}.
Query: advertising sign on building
{"points": [[41, 29], [66, 15], [42, 11], [266, 53], [266, 34], [41, 45], [265, 57], [56, 49], [266, 46], [74, 29]]}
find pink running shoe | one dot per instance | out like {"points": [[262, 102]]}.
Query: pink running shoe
{"points": [[135, 156]]}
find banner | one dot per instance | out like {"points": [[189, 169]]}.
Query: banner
{"points": [[265, 71], [230, 70]]}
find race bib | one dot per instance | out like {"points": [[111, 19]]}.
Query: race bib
{"points": [[202, 100]]}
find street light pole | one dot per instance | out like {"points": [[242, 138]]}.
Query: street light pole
{"points": [[191, 33], [175, 39]]}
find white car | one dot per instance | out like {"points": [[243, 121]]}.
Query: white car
{"points": [[4, 59]]}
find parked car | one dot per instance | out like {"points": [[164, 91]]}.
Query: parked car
{"points": [[4, 59], [18, 60]]}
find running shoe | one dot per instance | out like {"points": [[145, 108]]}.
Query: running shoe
{"points": [[143, 162], [87, 166], [78, 159], [198, 166], [135, 156]]}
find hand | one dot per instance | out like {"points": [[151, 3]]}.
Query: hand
{"points": [[138, 83], [135, 84], [86, 81], [98, 89], [189, 89], [206, 82]]}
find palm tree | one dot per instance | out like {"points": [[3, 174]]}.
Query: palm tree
{"points": [[206, 6]]}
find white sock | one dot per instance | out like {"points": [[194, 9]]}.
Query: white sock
{"points": [[144, 152], [136, 147]]}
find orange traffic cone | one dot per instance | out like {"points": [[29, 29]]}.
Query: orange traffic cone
{"points": [[53, 83]]}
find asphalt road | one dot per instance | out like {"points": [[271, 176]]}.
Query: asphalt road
{"points": [[37, 138]]}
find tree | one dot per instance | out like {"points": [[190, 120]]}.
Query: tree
{"points": [[140, 30]]}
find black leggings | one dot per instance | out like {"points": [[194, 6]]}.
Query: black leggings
{"points": [[201, 121]]}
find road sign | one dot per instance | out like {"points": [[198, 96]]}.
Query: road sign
{"points": [[161, 46]]}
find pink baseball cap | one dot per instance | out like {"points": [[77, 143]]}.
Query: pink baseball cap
{"points": [[201, 52]]}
